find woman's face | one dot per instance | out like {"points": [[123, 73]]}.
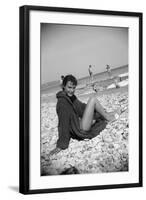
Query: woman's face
{"points": [[70, 88]]}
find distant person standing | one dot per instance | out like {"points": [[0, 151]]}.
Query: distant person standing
{"points": [[61, 79], [90, 74], [108, 69]]}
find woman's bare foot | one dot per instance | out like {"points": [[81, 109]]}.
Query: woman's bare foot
{"points": [[112, 116]]}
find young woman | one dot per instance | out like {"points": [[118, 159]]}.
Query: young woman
{"points": [[76, 119]]}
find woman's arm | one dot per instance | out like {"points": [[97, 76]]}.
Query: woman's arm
{"points": [[63, 126], [63, 129]]}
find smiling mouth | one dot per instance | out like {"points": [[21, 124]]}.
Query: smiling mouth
{"points": [[70, 94]]}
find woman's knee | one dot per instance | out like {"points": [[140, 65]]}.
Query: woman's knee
{"points": [[92, 98], [94, 101]]}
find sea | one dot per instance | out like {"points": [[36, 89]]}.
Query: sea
{"points": [[99, 78]]}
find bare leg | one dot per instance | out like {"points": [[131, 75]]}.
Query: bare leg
{"points": [[87, 119]]}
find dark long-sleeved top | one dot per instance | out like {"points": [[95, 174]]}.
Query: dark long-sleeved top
{"points": [[69, 115]]}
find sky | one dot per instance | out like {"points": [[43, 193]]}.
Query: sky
{"points": [[70, 49]]}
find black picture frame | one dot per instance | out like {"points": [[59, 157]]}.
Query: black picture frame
{"points": [[24, 85]]}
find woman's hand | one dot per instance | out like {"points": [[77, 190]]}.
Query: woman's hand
{"points": [[55, 151]]}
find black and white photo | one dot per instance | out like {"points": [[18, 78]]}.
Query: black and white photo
{"points": [[101, 145], [80, 99]]}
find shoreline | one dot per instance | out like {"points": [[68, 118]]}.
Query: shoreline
{"points": [[51, 98], [98, 77]]}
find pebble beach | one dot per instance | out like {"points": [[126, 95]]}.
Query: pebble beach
{"points": [[107, 152]]}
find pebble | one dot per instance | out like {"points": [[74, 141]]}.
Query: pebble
{"points": [[108, 152]]}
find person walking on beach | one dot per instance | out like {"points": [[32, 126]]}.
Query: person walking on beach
{"points": [[61, 79], [78, 120], [108, 69], [90, 74]]}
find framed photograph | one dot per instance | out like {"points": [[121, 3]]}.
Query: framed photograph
{"points": [[80, 99]]}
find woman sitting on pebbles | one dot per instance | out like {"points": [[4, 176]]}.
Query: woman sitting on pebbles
{"points": [[78, 120]]}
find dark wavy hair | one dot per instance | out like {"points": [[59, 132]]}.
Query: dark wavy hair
{"points": [[70, 78]]}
